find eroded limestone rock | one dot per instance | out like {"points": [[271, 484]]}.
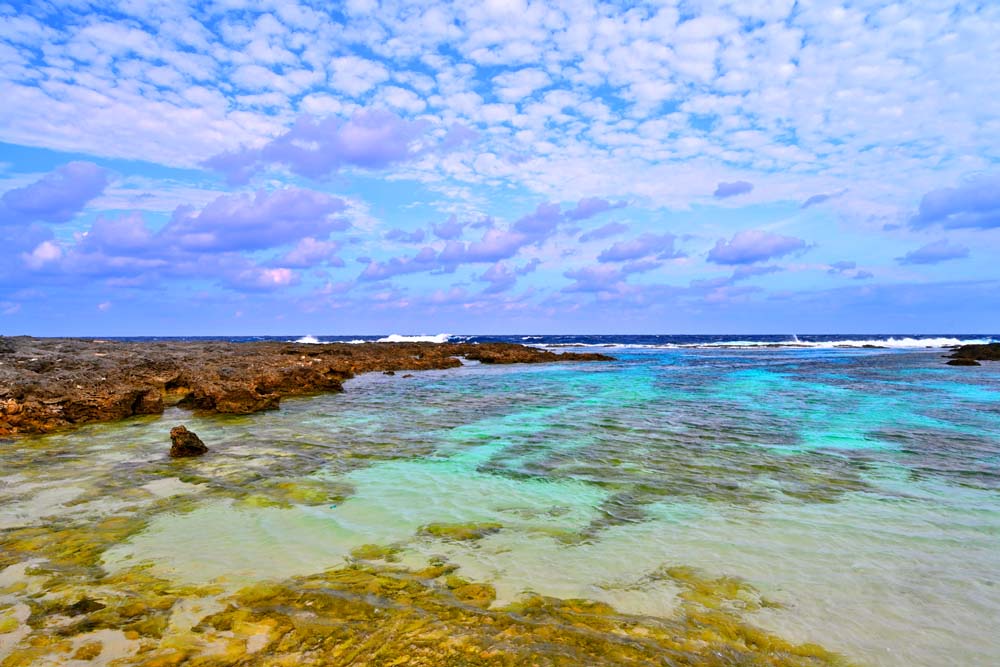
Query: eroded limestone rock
{"points": [[184, 443]]}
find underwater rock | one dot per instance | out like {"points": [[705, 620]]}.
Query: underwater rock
{"points": [[185, 443], [388, 372], [461, 531], [963, 362], [88, 651], [53, 383], [966, 353], [84, 606]]}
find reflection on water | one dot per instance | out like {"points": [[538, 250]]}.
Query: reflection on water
{"points": [[709, 505]]}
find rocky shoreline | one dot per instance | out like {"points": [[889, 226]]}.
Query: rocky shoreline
{"points": [[55, 383], [971, 355]]}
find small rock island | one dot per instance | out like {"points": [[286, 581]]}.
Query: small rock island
{"points": [[185, 444], [971, 355]]}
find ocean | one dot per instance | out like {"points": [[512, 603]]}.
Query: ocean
{"points": [[705, 499]]}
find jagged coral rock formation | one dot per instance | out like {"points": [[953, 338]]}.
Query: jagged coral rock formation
{"points": [[184, 443], [47, 384]]}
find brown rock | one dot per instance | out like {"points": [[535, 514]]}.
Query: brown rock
{"points": [[235, 398], [970, 355], [185, 443]]}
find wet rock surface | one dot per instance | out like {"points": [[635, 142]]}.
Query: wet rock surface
{"points": [[963, 362], [52, 383], [968, 355], [184, 443], [377, 614]]}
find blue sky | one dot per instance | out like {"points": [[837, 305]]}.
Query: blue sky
{"points": [[282, 167]]}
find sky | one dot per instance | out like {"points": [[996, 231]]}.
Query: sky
{"points": [[279, 167]]}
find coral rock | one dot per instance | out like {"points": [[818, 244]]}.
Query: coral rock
{"points": [[185, 443], [53, 383]]}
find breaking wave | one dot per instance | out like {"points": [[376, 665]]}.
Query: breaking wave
{"points": [[399, 338], [890, 342]]}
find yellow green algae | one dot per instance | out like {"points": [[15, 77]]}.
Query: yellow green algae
{"points": [[461, 531], [61, 604], [364, 614], [388, 553]]}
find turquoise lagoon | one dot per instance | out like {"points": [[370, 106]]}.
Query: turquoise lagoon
{"points": [[856, 490]]}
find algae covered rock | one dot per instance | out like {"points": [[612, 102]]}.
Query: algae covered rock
{"points": [[184, 443], [84, 606], [461, 531]]}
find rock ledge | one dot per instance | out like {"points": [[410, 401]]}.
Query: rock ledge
{"points": [[53, 383]]}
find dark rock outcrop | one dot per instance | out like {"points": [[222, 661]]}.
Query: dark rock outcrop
{"points": [[974, 353], [52, 383], [184, 443], [84, 605]]}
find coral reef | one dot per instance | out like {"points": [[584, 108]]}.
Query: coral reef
{"points": [[53, 383]]}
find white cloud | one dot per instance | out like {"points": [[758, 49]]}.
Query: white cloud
{"points": [[44, 253], [356, 76], [743, 86], [513, 86], [402, 99]]}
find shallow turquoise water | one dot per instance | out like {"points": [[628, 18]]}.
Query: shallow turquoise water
{"points": [[858, 488]]}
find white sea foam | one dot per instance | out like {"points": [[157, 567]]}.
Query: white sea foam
{"points": [[399, 338], [893, 343], [308, 339]]}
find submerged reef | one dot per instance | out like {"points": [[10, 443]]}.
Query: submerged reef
{"points": [[64, 597], [461, 531], [48, 384], [371, 612], [60, 601]]}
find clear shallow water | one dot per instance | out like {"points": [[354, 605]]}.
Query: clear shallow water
{"points": [[855, 489]]}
